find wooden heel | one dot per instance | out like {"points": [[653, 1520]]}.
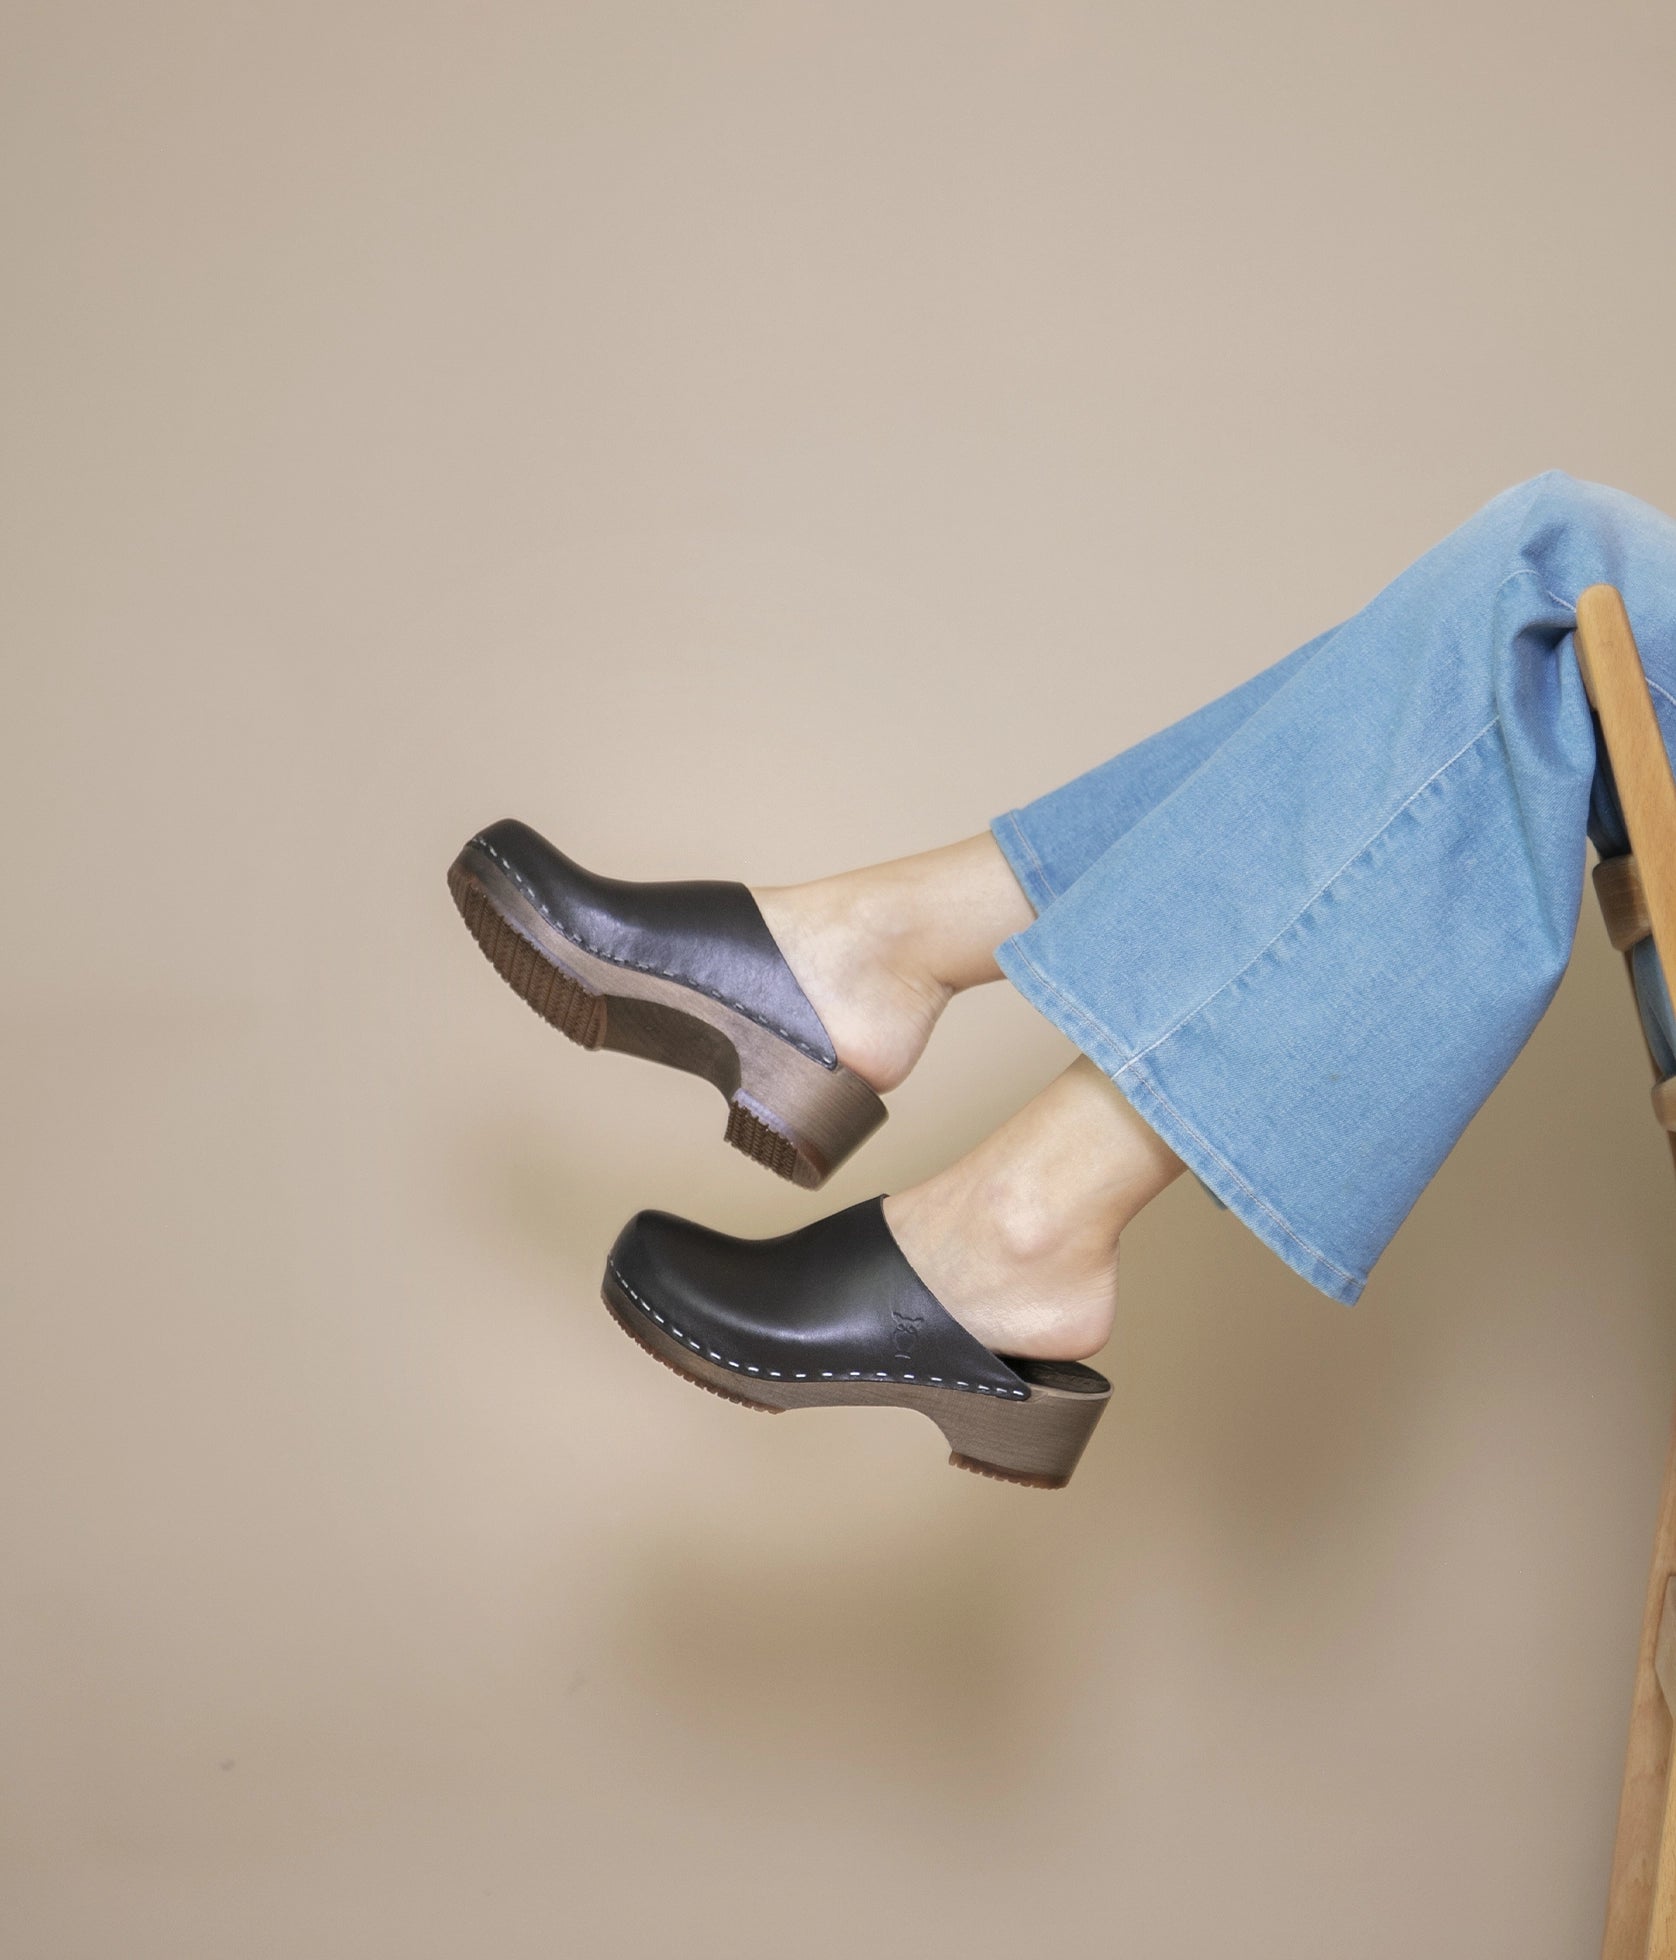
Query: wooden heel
{"points": [[794, 1116], [1038, 1442]]}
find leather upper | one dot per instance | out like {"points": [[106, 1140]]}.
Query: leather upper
{"points": [[700, 933], [835, 1300]]}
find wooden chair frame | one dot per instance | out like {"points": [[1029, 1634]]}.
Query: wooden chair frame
{"points": [[1637, 894]]}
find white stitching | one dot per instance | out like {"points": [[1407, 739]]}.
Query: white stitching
{"points": [[855, 1374], [1256, 1197], [1100, 1043], [662, 972], [1315, 897], [1018, 830], [1547, 591]]}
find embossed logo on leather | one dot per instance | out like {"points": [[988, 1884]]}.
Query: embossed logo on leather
{"points": [[905, 1327]]}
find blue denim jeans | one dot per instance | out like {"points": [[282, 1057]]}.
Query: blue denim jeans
{"points": [[1306, 930]]}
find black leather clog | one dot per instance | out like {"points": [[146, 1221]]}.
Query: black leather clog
{"points": [[683, 973], [834, 1314]]}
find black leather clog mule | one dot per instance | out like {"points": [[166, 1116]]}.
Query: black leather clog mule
{"points": [[683, 973], [834, 1314]]}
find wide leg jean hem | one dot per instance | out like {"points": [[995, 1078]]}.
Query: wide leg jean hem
{"points": [[1160, 1105], [1307, 930], [1026, 865]]}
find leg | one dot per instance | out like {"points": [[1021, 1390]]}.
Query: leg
{"points": [[1298, 973], [1332, 907], [882, 951], [1309, 965], [799, 1004]]}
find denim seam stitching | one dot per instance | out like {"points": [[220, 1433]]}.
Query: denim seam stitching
{"points": [[1075, 1012], [1256, 1197], [1030, 852], [1548, 592], [1316, 896], [1656, 689]]}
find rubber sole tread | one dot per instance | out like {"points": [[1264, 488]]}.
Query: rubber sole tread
{"points": [[560, 1000]]}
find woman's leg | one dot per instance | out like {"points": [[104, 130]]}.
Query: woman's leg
{"points": [[1297, 970], [882, 951], [1307, 961], [1309, 964]]}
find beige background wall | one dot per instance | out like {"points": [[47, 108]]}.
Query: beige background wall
{"points": [[748, 440]]}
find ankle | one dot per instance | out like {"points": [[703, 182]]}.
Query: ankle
{"points": [[939, 916], [853, 953], [1015, 1275], [1027, 1264], [1026, 1223], [1020, 1239], [882, 951], [871, 914]]}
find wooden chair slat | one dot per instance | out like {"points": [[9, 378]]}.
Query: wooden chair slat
{"points": [[1623, 902], [1617, 686], [1637, 896]]}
